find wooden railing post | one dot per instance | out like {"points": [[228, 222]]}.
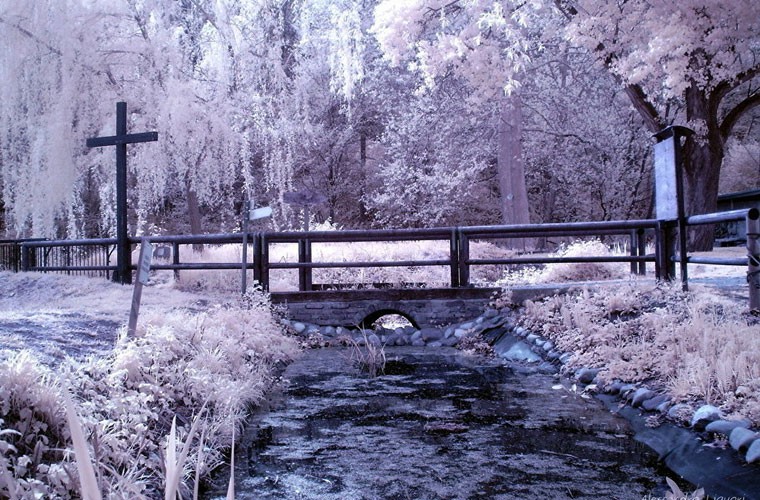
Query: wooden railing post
{"points": [[175, 259], [641, 242], [304, 257], [464, 256], [244, 262], [633, 237], [25, 260], [454, 255], [753, 258], [665, 265], [257, 258], [263, 262]]}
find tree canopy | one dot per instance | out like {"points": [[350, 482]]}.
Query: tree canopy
{"points": [[394, 109]]}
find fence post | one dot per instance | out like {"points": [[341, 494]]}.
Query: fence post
{"points": [[454, 256], [257, 258], [24, 257], [641, 240], [304, 257], [634, 250], [264, 266], [665, 265], [464, 256], [753, 258], [244, 261], [175, 259]]}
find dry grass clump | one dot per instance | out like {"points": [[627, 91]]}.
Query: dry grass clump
{"points": [[126, 402], [368, 356], [570, 272], [697, 346]]}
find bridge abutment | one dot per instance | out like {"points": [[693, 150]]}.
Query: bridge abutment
{"points": [[424, 308]]}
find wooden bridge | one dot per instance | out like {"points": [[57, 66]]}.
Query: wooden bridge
{"points": [[356, 303]]}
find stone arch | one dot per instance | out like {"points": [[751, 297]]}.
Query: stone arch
{"points": [[375, 315]]}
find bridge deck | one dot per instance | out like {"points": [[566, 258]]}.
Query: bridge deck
{"points": [[390, 294]]}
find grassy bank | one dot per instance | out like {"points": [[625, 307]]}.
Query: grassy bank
{"points": [[222, 358], [700, 346]]}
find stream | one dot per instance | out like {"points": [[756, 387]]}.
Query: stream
{"points": [[438, 424]]}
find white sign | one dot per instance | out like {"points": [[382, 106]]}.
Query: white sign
{"points": [[666, 180], [146, 253], [259, 213]]}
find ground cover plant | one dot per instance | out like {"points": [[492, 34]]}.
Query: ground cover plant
{"points": [[203, 368], [699, 346]]}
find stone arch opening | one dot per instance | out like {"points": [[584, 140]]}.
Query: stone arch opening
{"points": [[375, 316]]}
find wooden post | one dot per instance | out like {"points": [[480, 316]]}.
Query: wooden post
{"points": [[753, 257], [244, 259], [257, 258], [175, 259], [143, 274], [669, 200], [264, 264], [634, 250], [642, 243], [464, 256], [25, 260], [454, 256], [304, 273]]}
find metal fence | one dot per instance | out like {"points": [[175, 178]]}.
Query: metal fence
{"points": [[78, 257]]}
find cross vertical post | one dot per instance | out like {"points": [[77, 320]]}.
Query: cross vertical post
{"points": [[123, 272], [123, 248]]}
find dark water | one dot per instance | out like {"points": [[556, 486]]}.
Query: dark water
{"points": [[438, 425]]}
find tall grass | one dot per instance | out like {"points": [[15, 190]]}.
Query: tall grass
{"points": [[178, 364], [697, 346], [368, 356]]}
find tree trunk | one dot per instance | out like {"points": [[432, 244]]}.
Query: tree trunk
{"points": [[193, 213], [514, 194], [363, 177], [703, 156]]}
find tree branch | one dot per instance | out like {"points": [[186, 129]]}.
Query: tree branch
{"points": [[645, 108], [635, 93], [31, 35], [736, 112]]}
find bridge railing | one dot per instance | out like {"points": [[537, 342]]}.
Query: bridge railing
{"points": [[634, 230], [670, 255], [306, 264], [459, 260], [10, 254], [96, 256]]}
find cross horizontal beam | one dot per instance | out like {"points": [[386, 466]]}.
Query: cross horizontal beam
{"points": [[113, 140]]}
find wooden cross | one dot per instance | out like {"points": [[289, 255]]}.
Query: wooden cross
{"points": [[123, 272]]}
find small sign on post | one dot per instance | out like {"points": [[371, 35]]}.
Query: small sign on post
{"points": [[259, 213], [253, 214], [304, 199], [669, 199], [143, 275]]}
